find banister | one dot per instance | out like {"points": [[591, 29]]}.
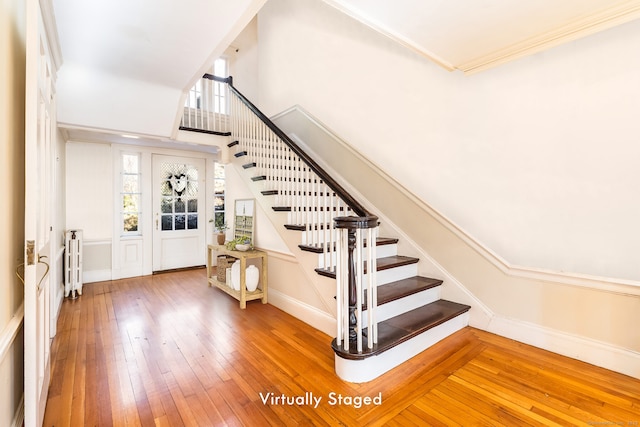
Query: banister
{"points": [[357, 208]]}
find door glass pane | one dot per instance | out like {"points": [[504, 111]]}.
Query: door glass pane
{"points": [[193, 205], [167, 222], [180, 222], [192, 222]]}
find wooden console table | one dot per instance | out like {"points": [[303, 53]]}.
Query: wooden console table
{"points": [[242, 295]]}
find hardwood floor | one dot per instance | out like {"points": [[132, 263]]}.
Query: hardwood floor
{"points": [[168, 350]]}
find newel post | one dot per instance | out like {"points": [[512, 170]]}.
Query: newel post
{"points": [[353, 262]]}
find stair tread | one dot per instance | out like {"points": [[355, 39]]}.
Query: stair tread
{"points": [[405, 326], [401, 288], [384, 263], [319, 248]]}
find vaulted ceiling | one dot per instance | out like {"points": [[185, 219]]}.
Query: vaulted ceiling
{"points": [[127, 63]]}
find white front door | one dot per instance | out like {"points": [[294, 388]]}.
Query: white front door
{"points": [[39, 130], [179, 222]]}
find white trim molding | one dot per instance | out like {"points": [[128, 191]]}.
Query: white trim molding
{"points": [[9, 333], [587, 350], [310, 315], [617, 14], [607, 18]]}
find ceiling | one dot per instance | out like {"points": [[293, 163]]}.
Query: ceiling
{"points": [[472, 35], [138, 55], [142, 55]]}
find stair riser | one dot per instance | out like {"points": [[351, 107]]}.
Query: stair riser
{"points": [[402, 305], [360, 371], [397, 273], [381, 251]]}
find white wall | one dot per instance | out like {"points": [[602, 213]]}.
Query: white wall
{"points": [[89, 183], [92, 180], [12, 123], [243, 63], [536, 159]]}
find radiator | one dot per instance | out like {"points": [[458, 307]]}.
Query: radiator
{"points": [[73, 263]]}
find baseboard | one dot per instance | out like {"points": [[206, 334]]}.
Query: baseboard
{"points": [[96, 276], [18, 418], [587, 350], [308, 314]]}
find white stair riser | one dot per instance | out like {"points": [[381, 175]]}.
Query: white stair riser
{"points": [[360, 371], [397, 273], [381, 252], [402, 305]]}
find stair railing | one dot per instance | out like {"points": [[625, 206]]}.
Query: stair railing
{"points": [[333, 220], [206, 107]]}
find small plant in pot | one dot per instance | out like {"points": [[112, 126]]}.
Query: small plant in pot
{"points": [[240, 244], [220, 227]]}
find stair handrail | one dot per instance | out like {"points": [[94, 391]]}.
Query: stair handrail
{"points": [[352, 253], [356, 206]]}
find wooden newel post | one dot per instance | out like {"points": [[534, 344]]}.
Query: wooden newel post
{"points": [[351, 224]]}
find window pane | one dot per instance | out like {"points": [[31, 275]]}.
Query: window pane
{"points": [[130, 163], [192, 223], [130, 222], [166, 205], [220, 67], [167, 222], [218, 203], [218, 186], [130, 183], [180, 222], [218, 170], [166, 189], [130, 203], [192, 189], [192, 205], [179, 206]]}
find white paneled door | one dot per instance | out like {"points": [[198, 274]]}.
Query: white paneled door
{"points": [[40, 122], [179, 219]]}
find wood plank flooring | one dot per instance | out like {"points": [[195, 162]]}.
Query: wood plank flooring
{"points": [[167, 350]]}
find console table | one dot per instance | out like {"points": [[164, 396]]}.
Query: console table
{"points": [[242, 295]]}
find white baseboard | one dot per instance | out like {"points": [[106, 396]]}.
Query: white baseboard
{"points": [[96, 276], [18, 418], [587, 350], [308, 314]]}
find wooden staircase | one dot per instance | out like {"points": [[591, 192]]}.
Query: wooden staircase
{"points": [[410, 312]]}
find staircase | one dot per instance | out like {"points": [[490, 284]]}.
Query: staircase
{"points": [[411, 315], [384, 316]]}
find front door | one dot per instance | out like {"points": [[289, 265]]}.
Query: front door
{"points": [[179, 238], [39, 129]]}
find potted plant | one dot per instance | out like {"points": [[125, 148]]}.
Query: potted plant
{"points": [[240, 244], [219, 228]]}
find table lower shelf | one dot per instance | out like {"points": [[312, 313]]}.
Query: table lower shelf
{"points": [[242, 296]]}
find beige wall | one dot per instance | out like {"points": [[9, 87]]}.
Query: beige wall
{"points": [[531, 164], [12, 86], [536, 158]]}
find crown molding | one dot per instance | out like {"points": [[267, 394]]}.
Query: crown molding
{"points": [[393, 35], [620, 13], [573, 30]]}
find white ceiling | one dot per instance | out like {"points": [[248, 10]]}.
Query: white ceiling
{"points": [[127, 63], [472, 35]]}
